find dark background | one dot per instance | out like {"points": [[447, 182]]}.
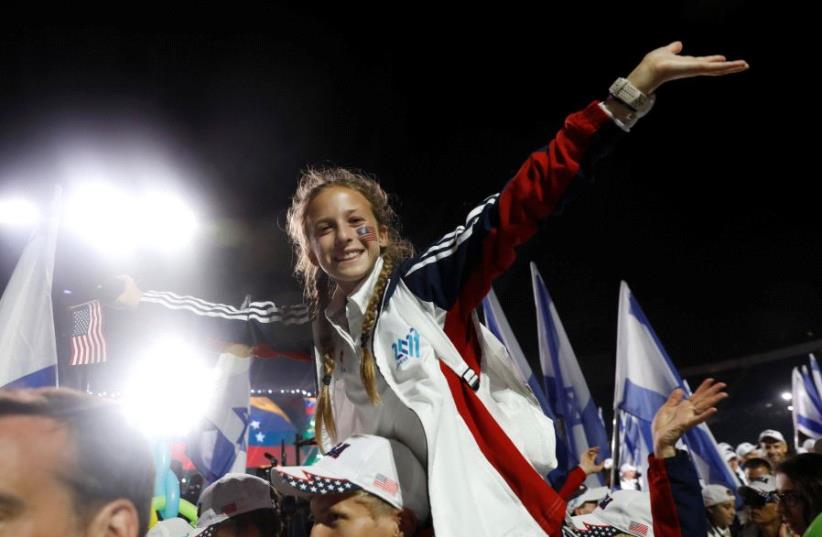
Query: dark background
{"points": [[708, 209]]}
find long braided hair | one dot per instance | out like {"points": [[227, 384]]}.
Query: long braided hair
{"points": [[312, 182]]}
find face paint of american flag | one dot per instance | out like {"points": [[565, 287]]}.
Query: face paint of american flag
{"points": [[366, 234]]}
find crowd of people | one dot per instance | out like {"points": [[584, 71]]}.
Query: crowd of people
{"points": [[424, 425], [71, 465]]}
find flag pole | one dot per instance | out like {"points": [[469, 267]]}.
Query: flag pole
{"points": [[56, 206], [614, 452]]}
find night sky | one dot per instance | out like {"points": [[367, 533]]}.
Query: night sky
{"points": [[708, 209]]}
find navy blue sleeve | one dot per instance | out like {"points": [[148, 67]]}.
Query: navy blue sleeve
{"points": [[676, 497]]}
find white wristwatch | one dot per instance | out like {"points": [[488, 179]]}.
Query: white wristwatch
{"points": [[623, 91]]}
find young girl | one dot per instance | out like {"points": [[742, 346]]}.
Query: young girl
{"points": [[399, 351]]}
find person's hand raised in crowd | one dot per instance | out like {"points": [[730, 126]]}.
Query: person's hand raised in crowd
{"points": [[679, 414], [666, 63], [588, 461]]}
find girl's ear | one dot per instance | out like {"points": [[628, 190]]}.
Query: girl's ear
{"points": [[384, 240], [311, 257]]}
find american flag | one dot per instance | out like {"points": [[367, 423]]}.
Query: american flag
{"points": [[366, 233], [638, 528], [87, 343], [388, 485]]}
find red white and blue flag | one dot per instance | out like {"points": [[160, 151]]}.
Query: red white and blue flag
{"points": [[388, 485], [366, 233], [88, 346]]}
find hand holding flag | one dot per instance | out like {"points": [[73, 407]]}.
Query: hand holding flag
{"points": [[588, 461]]}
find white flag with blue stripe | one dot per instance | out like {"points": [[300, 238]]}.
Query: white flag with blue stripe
{"points": [[218, 446], [28, 349], [645, 376], [634, 438], [564, 383], [807, 405], [497, 323]]}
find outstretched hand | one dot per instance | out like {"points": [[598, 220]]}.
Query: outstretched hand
{"points": [[666, 63], [678, 415]]}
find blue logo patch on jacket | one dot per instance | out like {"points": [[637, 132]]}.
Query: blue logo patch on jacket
{"points": [[406, 347]]}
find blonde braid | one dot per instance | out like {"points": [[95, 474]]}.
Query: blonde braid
{"points": [[368, 365], [325, 415]]}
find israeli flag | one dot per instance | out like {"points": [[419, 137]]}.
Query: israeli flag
{"points": [[634, 439], [497, 323], [218, 446], [807, 405], [28, 348], [565, 385], [645, 376]]}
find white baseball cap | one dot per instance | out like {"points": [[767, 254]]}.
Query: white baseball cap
{"points": [[771, 433], [628, 511], [807, 445], [229, 496], [744, 449], [173, 527], [595, 494], [759, 489], [382, 467], [628, 468], [716, 494], [729, 454]]}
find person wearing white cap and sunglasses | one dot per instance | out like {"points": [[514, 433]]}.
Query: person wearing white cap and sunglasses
{"points": [[366, 486], [238, 505], [774, 445], [720, 508], [760, 500]]}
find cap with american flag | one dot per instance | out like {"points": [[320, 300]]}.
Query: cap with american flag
{"points": [[627, 511], [382, 467]]}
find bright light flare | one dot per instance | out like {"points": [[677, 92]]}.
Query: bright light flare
{"points": [[104, 216], [118, 222], [167, 221], [169, 390], [18, 212], [787, 396]]}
